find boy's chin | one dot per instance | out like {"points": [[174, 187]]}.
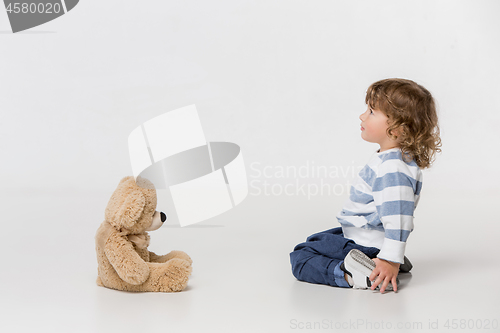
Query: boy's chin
{"points": [[365, 138]]}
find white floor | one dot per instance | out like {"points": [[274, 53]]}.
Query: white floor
{"points": [[241, 278]]}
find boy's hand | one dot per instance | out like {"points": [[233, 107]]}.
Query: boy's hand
{"points": [[385, 272]]}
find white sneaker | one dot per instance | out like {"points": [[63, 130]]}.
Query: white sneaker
{"points": [[358, 266]]}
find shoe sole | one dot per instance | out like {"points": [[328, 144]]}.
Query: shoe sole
{"points": [[357, 260]]}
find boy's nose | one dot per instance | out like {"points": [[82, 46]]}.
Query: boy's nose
{"points": [[363, 115]]}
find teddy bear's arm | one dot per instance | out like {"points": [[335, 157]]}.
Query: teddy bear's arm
{"points": [[125, 260]]}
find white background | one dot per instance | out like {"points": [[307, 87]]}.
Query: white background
{"points": [[285, 80]]}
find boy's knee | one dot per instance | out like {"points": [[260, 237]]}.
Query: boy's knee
{"points": [[296, 263], [293, 259]]}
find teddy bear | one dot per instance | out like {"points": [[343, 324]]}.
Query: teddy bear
{"points": [[124, 262]]}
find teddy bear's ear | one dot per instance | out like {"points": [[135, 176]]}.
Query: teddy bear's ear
{"points": [[131, 209], [124, 179]]}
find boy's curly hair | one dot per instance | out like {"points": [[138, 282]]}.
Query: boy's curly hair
{"points": [[412, 117]]}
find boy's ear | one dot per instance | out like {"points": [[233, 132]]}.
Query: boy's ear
{"points": [[396, 133]]}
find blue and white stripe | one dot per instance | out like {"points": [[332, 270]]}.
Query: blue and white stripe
{"points": [[379, 211]]}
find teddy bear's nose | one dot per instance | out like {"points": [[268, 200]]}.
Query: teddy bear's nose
{"points": [[163, 217]]}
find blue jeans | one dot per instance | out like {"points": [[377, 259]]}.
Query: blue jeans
{"points": [[318, 260]]}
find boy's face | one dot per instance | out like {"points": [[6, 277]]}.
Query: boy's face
{"points": [[374, 124]]}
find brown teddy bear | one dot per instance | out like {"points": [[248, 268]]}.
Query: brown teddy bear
{"points": [[124, 262]]}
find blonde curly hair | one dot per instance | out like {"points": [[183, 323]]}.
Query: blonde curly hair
{"points": [[413, 120]]}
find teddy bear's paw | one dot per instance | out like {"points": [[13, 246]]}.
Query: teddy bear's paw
{"points": [[176, 274], [180, 255]]}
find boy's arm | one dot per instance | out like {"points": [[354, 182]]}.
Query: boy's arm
{"points": [[394, 198]]}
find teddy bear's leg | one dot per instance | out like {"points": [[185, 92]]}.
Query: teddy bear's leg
{"points": [[174, 254], [168, 277], [179, 271]]}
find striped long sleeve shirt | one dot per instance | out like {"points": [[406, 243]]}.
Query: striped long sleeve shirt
{"points": [[379, 211]]}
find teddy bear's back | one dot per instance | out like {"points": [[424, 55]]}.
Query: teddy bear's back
{"points": [[105, 270]]}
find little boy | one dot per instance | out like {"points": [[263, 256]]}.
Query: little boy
{"points": [[367, 251]]}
